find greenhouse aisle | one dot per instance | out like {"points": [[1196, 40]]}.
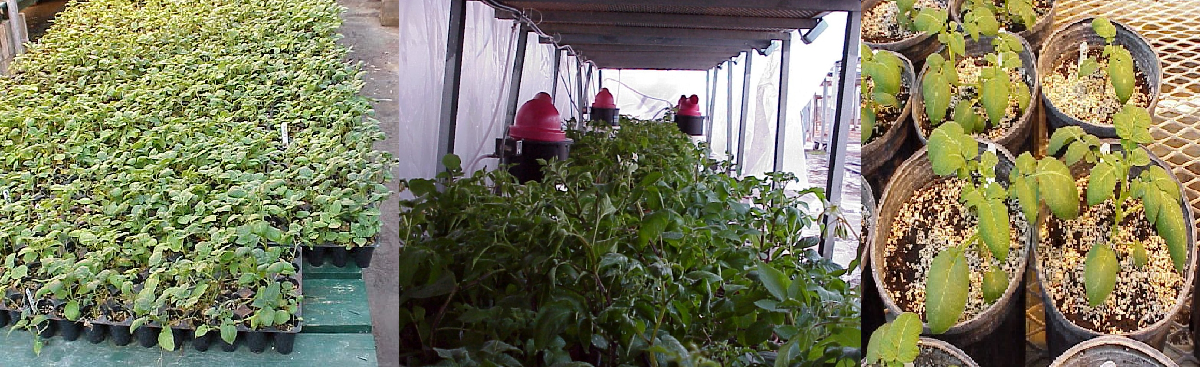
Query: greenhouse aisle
{"points": [[376, 46]]}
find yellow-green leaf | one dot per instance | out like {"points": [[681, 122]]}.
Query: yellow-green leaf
{"points": [[1100, 273], [946, 290]]}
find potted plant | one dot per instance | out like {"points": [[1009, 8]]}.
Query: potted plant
{"points": [[1030, 19], [889, 25], [1090, 69], [1125, 265], [1112, 350], [983, 78], [898, 343], [885, 83]]}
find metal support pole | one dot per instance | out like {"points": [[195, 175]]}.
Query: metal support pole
{"points": [[16, 26], [554, 84], [708, 97], [515, 77], [600, 79], [842, 119], [746, 102], [782, 104], [450, 80], [581, 98], [729, 107], [709, 116]]}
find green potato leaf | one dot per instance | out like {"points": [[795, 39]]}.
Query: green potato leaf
{"points": [[995, 96], [946, 290], [868, 123], [1057, 188], [947, 149], [996, 282], [1121, 73], [1101, 183], [1100, 273], [165, 339], [1104, 28]]}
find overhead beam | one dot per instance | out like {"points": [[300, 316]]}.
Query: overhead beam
{"points": [[566, 28], [794, 5], [596, 39], [656, 64], [635, 55], [665, 20], [586, 48]]}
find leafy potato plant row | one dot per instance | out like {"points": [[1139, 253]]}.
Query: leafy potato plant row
{"points": [[162, 160]]}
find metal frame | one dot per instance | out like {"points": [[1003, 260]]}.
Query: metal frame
{"points": [[729, 106], [843, 112], [515, 77], [554, 83], [746, 101], [712, 91], [451, 78], [782, 103]]}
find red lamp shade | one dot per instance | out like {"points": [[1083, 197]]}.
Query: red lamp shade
{"points": [[538, 120], [689, 106], [604, 99]]}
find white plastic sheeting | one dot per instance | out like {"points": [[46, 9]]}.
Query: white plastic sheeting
{"points": [[489, 46]]}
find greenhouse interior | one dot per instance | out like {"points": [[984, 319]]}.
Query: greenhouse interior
{"points": [[600, 183]]}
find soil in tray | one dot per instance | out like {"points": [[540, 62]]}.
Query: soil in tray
{"points": [[1141, 297], [1090, 98], [930, 221], [969, 72], [880, 22], [886, 115], [1041, 7], [934, 357]]}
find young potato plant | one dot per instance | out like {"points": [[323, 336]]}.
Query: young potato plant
{"points": [[1119, 63], [984, 14], [993, 85], [894, 344], [1109, 179], [163, 161], [953, 152], [883, 70]]}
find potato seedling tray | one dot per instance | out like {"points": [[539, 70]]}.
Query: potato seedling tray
{"points": [[147, 335], [340, 256]]}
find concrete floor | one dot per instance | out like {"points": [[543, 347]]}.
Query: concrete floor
{"points": [[376, 47]]}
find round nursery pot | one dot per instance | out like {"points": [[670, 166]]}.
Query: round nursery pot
{"points": [[1035, 35], [880, 149], [934, 352], [1060, 268], [1063, 48], [1013, 134], [895, 264], [872, 308], [1117, 350], [915, 46]]}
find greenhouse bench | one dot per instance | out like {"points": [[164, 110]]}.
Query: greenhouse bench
{"points": [[336, 332]]}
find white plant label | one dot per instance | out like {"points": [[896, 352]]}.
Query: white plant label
{"points": [[283, 132]]}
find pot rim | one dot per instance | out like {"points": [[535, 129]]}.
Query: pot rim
{"points": [[1116, 341]]}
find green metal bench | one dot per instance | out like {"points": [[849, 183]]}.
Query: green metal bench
{"points": [[336, 332]]}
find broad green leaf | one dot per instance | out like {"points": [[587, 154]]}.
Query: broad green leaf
{"points": [[1062, 137], [452, 162], [165, 339], [1139, 253], [1102, 181], [1057, 188], [1076, 152], [776, 281], [1100, 273], [895, 342], [1022, 92], [229, 333], [996, 282], [1104, 28], [956, 44], [1139, 157], [1026, 190], [931, 20], [1170, 226], [966, 116], [1133, 123], [652, 227], [71, 310], [905, 5], [936, 94], [989, 26], [550, 322], [946, 290], [995, 97], [867, 117], [946, 150], [1121, 73], [885, 99], [1088, 66], [994, 227]]}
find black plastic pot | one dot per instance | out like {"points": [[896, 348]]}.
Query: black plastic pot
{"points": [[1111, 348], [609, 115], [1065, 42], [691, 125], [1063, 334], [3, 318], [1014, 139], [872, 308], [228, 347], [119, 334], [147, 336], [880, 151], [202, 342], [522, 156], [284, 342], [915, 48], [256, 341], [315, 255], [94, 333], [1035, 35], [68, 329], [47, 329], [911, 176], [337, 256]]}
